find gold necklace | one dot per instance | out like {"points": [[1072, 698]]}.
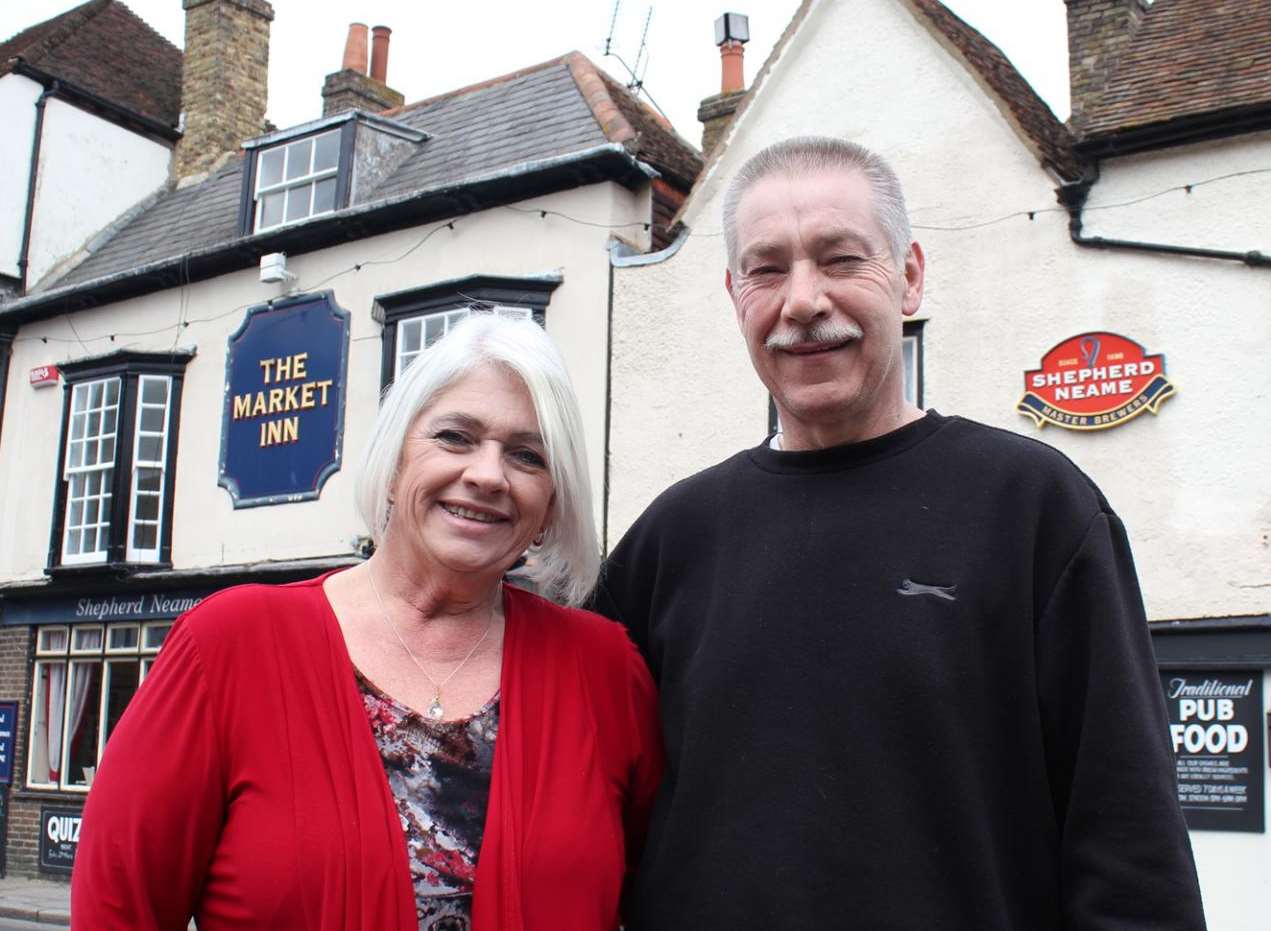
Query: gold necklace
{"points": [[435, 710]]}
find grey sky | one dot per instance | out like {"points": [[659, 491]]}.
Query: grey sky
{"points": [[436, 47]]}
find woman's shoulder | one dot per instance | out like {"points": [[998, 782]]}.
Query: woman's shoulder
{"points": [[576, 628], [242, 614]]}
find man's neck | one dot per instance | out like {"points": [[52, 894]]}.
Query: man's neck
{"points": [[797, 436]]}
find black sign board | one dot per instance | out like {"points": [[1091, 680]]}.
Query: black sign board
{"points": [[59, 838], [1216, 731], [8, 728]]}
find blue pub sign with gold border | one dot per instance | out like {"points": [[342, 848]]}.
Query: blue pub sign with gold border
{"points": [[283, 423]]}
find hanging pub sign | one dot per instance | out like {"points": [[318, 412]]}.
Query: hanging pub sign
{"points": [[1215, 723], [1094, 381], [283, 422]]}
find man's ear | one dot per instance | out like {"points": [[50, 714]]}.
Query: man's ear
{"points": [[915, 271], [728, 286]]}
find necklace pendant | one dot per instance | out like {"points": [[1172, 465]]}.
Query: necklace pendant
{"points": [[435, 711]]}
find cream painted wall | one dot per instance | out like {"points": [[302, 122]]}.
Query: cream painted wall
{"points": [[91, 171], [18, 95], [207, 531], [1192, 484]]}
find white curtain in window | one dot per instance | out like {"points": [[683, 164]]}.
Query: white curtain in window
{"points": [[80, 682], [55, 704]]}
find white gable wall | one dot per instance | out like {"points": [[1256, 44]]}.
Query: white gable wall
{"points": [[1192, 484], [18, 95], [91, 171]]}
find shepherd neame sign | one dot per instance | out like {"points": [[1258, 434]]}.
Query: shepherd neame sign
{"points": [[1094, 381]]}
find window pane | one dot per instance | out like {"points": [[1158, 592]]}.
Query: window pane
{"points": [[83, 716], [112, 392], [327, 152], [87, 638], [109, 418], [909, 357], [77, 426], [48, 702], [271, 209], [147, 507], [106, 450], [298, 201], [324, 196], [436, 326], [52, 639], [124, 638], [145, 536], [74, 542], [79, 398], [90, 511], [152, 419], [149, 480], [123, 679], [298, 156], [408, 335], [149, 448], [154, 391], [154, 636], [270, 167], [95, 394]]}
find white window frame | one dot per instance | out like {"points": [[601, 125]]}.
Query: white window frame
{"points": [[135, 553], [285, 185], [70, 656], [104, 498], [402, 358]]}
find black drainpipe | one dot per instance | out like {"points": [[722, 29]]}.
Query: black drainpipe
{"points": [[32, 177], [1073, 194]]}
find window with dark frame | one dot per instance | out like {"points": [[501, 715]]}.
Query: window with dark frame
{"points": [[117, 458], [83, 678], [415, 319], [296, 179]]}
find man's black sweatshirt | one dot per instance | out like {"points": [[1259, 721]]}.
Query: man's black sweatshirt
{"points": [[906, 684]]}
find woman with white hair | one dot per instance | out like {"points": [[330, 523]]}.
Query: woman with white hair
{"points": [[410, 743]]}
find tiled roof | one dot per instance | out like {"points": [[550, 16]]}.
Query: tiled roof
{"points": [[536, 114], [104, 48], [1051, 138], [1187, 58]]}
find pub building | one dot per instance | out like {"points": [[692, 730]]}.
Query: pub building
{"points": [[184, 374]]}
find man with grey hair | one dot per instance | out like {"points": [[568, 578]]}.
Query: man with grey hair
{"points": [[905, 672]]}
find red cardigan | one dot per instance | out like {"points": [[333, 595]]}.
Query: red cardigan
{"points": [[243, 785]]}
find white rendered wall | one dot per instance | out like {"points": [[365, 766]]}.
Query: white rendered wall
{"points": [[17, 108], [91, 171], [207, 531], [1193, 485]]}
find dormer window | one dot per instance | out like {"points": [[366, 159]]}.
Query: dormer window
{"points": [[297, 180], [316, 169]]}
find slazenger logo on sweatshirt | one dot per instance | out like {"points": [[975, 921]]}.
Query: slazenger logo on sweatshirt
{"points": [[943, 592]]}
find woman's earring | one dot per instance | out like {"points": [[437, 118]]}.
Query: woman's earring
{"points": [[538, 538]]}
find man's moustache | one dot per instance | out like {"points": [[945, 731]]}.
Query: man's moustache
{"points": [[819, 334]]}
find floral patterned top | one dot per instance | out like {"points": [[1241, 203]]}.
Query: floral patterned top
{"points": [[439, 773]]}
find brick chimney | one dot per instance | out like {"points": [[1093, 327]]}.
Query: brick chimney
{"points": [[351, 88], [732, 32], [1098, 31], [224, 83]]}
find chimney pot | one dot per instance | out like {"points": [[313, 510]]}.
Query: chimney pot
{"points": [[355, 49], [379, 53]]}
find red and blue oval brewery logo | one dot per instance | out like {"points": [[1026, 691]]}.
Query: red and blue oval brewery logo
{"points": [[1094, 381]]}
